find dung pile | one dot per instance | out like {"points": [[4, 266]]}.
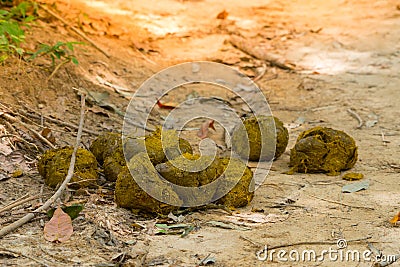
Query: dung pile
{"points": [[104, 145], [108, 149], [226, 173], [323, 149], [54, 165], [254, 139], [243, 192], [128, 194], [233, 189], [158, 150]]}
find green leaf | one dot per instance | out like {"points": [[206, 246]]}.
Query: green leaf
{"points": [[73, 211], [70, 46], [57, 54], [3, 58], [58, 44], [3, 13], [74, 60], [19, 51], [29, 19], [3, 40]]}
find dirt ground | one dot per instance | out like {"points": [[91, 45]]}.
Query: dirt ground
{"points": [[347, 57]]}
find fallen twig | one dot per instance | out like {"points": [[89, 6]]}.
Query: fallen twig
{"points": [[24, 255], [37, 134], [56, 121], [262, 72], [60, 190], [340, 203], [384, 141], [357, 117], [256, 52], [117, 88], [57, 68], [256, 244], [20, 139], [18, 202], [74, 29], [142, 55], [41, 194], [13, 112], [317, 243], [204, 259]]}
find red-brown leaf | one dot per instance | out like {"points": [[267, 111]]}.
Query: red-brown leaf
{"points": [[203, 132], [166, 105], [222, 15], [47, 133], [59, 228]]}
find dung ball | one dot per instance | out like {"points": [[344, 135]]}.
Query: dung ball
{"points": [[260, 138], [324, 150], [128, 193], [54, 164]]}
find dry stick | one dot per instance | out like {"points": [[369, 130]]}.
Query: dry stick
{"points": [[57, 68], [12, 112], [262, 73], [384, 141], [20, 139], [18, 202], [75, 30], [357, 117], [41, 193], [24, 255], [144, 56], [60, 190], [248, 48], [204, 259], [340, 203], [257, 244], [317, 243], [57, 121], [38, 135], [23, 197]]}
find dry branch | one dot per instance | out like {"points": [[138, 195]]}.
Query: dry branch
{"points": [[341, 203], [56, 121], [18, 202], [57, 68], [262, 73], [318, 243], [257, 52], [25, 255], [60, 190], [37, 134], [357, 117]]}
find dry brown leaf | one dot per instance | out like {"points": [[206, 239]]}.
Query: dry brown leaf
{"points": [[48, 134], [395, 219], [166, 105], [203, 132], [222, 15], [59, 228]]}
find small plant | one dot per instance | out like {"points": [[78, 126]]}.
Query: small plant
{"points": [[61, 51], [11, 28], [12, 35]]}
